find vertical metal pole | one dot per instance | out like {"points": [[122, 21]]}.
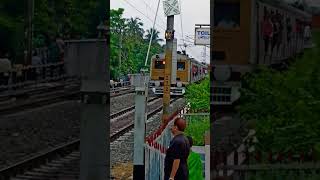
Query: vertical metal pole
{"points": [[95, 105], [140, 118], [30, 31], [167, 71]]}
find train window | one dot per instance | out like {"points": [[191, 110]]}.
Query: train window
{"points": [[181, 66], [227, 14], [159, 65]]}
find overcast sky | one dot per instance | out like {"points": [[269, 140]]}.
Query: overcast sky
{"points": [[193, 12]]}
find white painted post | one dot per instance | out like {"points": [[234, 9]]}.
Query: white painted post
{"points": [[94, 139], [207, 156], [140, 81]]}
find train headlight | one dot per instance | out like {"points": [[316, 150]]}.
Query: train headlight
{"points": [[179, 84], [157, 83]]}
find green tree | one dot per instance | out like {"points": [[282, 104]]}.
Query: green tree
{"points": [[128, 44], [155, 37], [284, 107]]}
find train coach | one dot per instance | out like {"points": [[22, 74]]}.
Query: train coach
{"points": [[248, 33], [187, 71]]}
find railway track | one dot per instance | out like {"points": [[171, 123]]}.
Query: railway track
{"points": [[49, 96], [62, 162]]}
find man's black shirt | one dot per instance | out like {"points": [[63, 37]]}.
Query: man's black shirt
{"points": [[179, 149]]}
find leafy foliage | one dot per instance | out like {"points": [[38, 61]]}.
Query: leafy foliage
{"points": [[69, 18], [198, 95], [196, 128], [284, 107], [128, 45]]}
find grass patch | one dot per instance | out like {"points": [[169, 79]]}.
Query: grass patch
{"points": [[198, 95], [196, 128]]}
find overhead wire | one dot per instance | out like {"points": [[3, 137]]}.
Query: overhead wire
{"points": [[153, 10], [161, 27], [134, 7], [152, 31], [181, 23]]}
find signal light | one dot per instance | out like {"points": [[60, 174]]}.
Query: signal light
{"points": [[169, 34], [163, 62]]}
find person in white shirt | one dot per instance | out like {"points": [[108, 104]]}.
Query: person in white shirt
{"points": [[5, 69], [36, 61], [307, 32]]}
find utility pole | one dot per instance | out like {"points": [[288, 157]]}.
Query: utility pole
{"points": [[29, 31], [171, 8], [167, 71]]}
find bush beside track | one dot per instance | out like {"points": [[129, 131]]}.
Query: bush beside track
{"points": [[198, 96], [284, 107]]}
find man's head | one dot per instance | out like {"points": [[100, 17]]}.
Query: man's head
{"points": [[178, 126]]}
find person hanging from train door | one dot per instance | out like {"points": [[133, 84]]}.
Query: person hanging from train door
{"points": [[275, 38], [279, 17], [297, 34], [289, 35], [267, 31], [307, 33]]}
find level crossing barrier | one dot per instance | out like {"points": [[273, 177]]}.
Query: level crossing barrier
{"points": [[158, 142]]}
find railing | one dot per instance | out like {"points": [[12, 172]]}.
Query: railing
{"points": [[155, 149], [20, 77], [158, 142], [242, 165], [246, 162]]}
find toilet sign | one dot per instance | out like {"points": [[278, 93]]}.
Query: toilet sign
{"points": [[202, 36], [171, 7]]}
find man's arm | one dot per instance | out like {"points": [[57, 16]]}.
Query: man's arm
{"points": [[175, 167]]}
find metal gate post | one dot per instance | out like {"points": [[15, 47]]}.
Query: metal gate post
{"points": [[140, 81]]}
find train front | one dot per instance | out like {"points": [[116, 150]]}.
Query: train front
{"points": [[231, 49], [180, 75]]}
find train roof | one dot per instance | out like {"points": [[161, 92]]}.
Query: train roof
{"points": [[179, 56], [285, 5]]}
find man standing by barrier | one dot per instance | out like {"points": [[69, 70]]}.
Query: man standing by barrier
{"points": [[175, 165]]}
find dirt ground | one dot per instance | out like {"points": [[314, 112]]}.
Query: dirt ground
{"points": [[122, 171]]}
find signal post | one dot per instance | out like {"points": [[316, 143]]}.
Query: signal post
{"points": [[171, 8], [167, 71]]}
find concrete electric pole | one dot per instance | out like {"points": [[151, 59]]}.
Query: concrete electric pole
{"points": [[171, 8], [168, 63]]}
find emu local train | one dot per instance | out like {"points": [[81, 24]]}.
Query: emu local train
{"points": [[186, 71], [248, 33]]}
